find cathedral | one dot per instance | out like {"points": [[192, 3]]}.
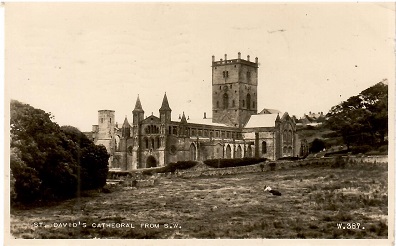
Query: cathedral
{"points": [[236, 130]]}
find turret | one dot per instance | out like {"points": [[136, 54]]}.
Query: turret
{"points": [[183, 119], [126, 128], [138, 112], [165, 111], [277, 121]]}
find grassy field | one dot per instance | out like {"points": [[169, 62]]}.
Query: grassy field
{"points": [[314, 201]]}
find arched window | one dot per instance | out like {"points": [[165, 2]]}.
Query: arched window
{"points": [[263, 147], [146, 143], [239, 152], [248, 101], [225, 100], [158, 142], [152, 143], [193, 153], [228, 152]]}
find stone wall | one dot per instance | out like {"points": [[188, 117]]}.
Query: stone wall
{"points": [[204, 170]]}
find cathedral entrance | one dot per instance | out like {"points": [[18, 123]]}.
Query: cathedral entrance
{"points": [[151, 162]]}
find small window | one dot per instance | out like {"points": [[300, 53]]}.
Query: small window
{"points": [[263, 147], [101, 120], [224, 74], [110, 120], [233, 103], [230, 86], [227, 74], [243, 103]]}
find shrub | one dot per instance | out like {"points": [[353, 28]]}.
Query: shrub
{"points": [[337, 153], [317, 145], [171, 167], [289, 158], [222, 163]]}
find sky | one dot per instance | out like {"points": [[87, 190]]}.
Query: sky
{"points": [[73, 59]]}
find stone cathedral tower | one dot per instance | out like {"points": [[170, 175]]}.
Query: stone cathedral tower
{"points": [[234, 90]]}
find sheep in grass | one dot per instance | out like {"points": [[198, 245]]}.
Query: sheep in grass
{"points": [[273, 192]]}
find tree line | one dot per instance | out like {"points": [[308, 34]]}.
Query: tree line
{"points": [[361, 121]]}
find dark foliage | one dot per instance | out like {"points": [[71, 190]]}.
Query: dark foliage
{"points": [[362, 119], [317, 145], [289, 158], [337, 153], [50, 162], [171, 167], [221, 163], [272, 166]]}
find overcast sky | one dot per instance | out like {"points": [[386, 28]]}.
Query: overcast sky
{"points": [[75, 59]]}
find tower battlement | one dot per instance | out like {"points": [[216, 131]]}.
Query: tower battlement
{"points": [[239, 60]]}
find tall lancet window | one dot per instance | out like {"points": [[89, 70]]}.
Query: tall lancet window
{"points": [[225, 100], [248, 101]]}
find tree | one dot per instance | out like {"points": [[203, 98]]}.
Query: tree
{"points": [[362, 119], [47, 161]]}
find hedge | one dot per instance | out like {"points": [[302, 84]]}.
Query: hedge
{"points": [[171, 167], [289, 158], [222, 163]]}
